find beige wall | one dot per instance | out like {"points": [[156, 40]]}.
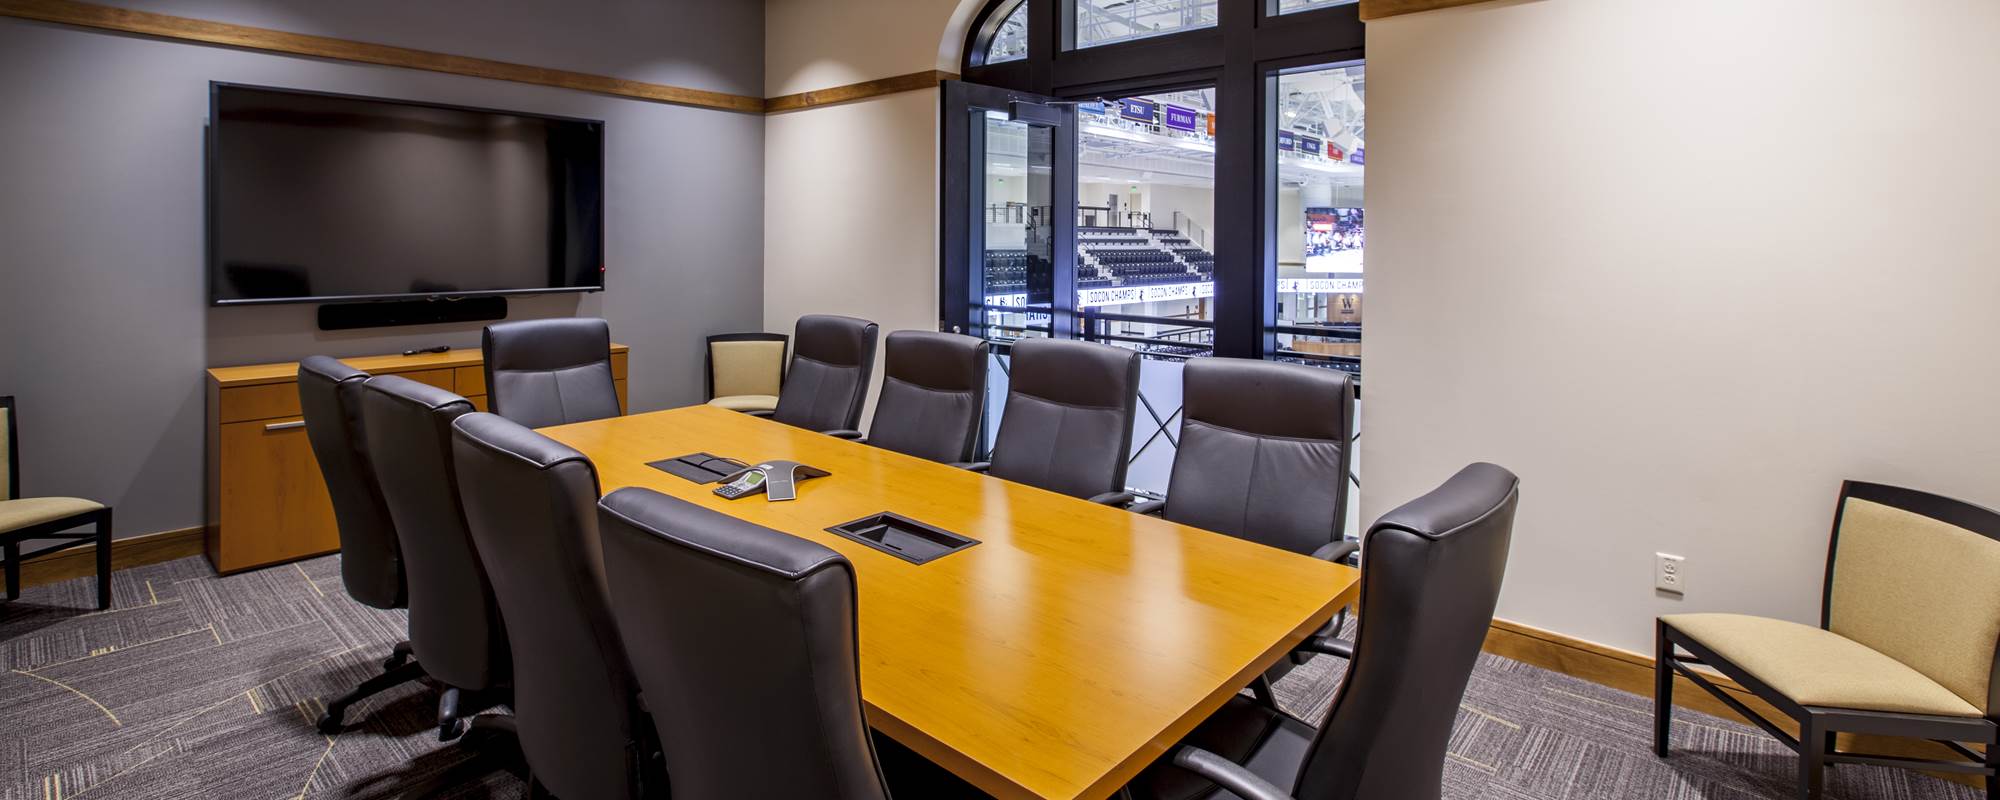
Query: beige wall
{"points": [[851, 212], [851, 190], [817, 44], [1683, 266]]}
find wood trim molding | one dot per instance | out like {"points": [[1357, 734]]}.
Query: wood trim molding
{"points": [[131, 551], [146, 23], [1377, 9], [1631, 672], [857, 91]]}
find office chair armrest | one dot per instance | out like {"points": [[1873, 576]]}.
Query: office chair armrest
{"points": [[1147, 507], [1114, 499], [848, 434], [975, 466], [1338, 552], [1227, 774], [761, 412]]}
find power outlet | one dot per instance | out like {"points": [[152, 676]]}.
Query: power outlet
{"points": [[1670, 573]]}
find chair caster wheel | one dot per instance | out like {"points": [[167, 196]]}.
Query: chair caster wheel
{"points": [[450, 730], [394, 661], [329, 724]]}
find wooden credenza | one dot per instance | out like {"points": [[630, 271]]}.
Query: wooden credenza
{"points": [[267, 503]]}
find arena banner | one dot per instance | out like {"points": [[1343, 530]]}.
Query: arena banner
{"points": [[1125, 295], [1287, 141], [1319, 285], [1180, 119], [1359, 156], [1137, 110], [1334, 152], [1309, 144]]}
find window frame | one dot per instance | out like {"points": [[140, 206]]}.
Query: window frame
{"points": [[1241, 57]]}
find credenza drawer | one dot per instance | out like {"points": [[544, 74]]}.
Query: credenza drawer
{"points": [[273, 400]]}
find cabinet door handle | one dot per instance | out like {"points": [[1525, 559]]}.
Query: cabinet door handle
{"points": [[285, 426]]}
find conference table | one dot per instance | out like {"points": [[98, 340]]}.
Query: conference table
{"points": [[1056, 658]]}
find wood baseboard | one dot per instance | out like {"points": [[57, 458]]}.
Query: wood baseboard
{"points": [[1632, 672], [131, 551]]}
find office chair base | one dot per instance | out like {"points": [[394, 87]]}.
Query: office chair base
{"points": [[457, 707], [398, 657], [333, 720]]}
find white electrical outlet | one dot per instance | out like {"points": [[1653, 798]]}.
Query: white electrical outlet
{"points": [[1670, 573]]}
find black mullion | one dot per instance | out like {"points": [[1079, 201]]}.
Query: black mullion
{"points": [[955, 235], [1045, 42], [1238, 261], [1309, 33], [1062, 212]]}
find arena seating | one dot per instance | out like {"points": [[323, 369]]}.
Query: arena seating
{"points": [[1108, 257]]}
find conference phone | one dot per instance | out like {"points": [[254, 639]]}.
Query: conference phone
{"points": [[778, 480]]}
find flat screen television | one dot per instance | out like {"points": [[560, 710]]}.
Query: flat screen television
{"points": [[317, 197]]}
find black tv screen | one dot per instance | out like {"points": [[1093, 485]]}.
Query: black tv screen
{"points": [[317, 197]]}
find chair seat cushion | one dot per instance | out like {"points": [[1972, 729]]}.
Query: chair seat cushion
{"points": [[30, 511], [747, 402], [1269, 744], [1819, 668]]}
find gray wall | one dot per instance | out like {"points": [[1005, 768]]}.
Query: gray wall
{"points": [[103, 300]]}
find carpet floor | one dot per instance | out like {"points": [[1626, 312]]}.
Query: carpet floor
{"points": [[196, 686]]}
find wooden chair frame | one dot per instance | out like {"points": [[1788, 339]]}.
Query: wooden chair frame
{"points": [[10, 541], [1819, 725]]}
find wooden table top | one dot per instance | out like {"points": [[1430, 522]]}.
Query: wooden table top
{"points": [[1058, 657]]}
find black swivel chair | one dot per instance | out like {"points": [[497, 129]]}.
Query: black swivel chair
{"points": [[1433, 575], [543, 372], [1264, 454], [455, 628], [532, 506], [371, 562], [833, 360], [1068, 423], [744, 642], [932, 388]]}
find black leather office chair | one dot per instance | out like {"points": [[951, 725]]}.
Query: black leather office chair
{"points": [[833, 360], [532, 506], [1264, 454], [1068, 422], [744, 641], [455, 629], [1433, 575], [371, 562], [550, 371], [932, 388]]}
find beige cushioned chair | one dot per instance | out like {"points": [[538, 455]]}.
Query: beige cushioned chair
{"points": [[746, 371], [1908, 642], [25, 519]]}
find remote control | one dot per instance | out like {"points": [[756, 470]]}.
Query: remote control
{"points": [[438, 349]]}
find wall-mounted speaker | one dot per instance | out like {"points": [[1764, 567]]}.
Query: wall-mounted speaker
{"points": [[390, 313]]}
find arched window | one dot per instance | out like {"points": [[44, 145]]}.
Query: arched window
{"points": [[1004, 38]]}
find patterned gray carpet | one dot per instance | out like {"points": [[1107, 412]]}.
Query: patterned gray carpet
{"points": [[196, 686]]}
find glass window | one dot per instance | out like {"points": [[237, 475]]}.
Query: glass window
{"points": [[1289, 6], [1100, 22], [1019, 234], [1009, 41], [1145, 273], [1322, 153]]}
